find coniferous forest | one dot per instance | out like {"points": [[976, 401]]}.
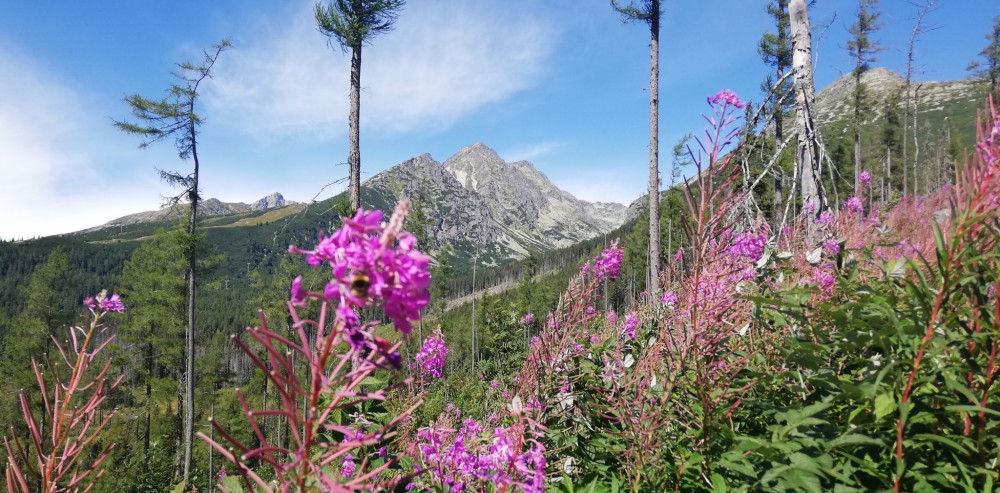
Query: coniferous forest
{"points": [[813, 307]]}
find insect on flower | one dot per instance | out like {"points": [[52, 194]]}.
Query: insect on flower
{"points": [[359, 285]]}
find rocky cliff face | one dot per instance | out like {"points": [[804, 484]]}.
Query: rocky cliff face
{"points": [[504, 209]]}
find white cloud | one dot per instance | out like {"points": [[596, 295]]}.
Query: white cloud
{"points": [[531, 152], [51, 183], [443, 60]]}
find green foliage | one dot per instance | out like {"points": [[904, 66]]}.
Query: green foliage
{"points": [[888, 384], [988, 67], [352, 23]]}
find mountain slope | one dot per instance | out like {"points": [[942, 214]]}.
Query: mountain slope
{"points": [[477, 202]]}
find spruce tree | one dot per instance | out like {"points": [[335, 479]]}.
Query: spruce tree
{"points": [[156, 120], [776, 50], [862, 49], [988, 67], [151, 337]]}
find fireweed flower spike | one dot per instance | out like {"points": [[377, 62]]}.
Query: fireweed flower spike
{"points": [[431, 357], [854, 204], [373, 265], [725, 97], [112, 304], [63, 450]]}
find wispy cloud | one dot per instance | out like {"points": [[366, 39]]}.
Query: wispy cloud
{"points": [[443, 61], [531, 152], [48, 156]]}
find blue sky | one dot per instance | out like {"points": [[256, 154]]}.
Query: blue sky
{"points": [[561, 83]]}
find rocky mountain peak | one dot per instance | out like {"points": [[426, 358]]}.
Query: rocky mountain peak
{"points": [[508, 208], [269, 202], [475, 166]]}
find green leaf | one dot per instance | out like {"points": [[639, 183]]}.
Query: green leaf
{"points": [[885, 405], [940, 439], [719, 483], [852, 439]]}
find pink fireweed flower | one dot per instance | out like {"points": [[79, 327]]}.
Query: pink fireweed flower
{"points": [[824, 280], [104, 303], [748, 245], [854, 204], [865, 178], [298, 295], [630, 324], [528, 318], [679, 256], [347, 465], [612, 318], [809, 208], [725, 97], [112, 304], [495, 385], [607, 263], [831, 246], [431, 356], [824, 218], [371, 264], [669, 298]]}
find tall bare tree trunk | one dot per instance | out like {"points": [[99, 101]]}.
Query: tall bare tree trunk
{"points": [[918, 29], [654, 151], [857, 131], [189, 330], [149, 405], [354, 121], [807, 157], [779, 137]]}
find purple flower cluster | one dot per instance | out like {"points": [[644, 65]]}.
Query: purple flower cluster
{"points": [[629, 325], [669, 298], [824, 218], [607, 263], [854, 204], [748, 245], [468, 460], [725, 97], [371, 263], [431, 356], [347, 465], [865, 178], [528, 318], [824, 280], [104, 303], [831, 246]]}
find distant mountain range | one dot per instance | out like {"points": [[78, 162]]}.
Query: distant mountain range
{"points": [[206, 208], [475, 202]]}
